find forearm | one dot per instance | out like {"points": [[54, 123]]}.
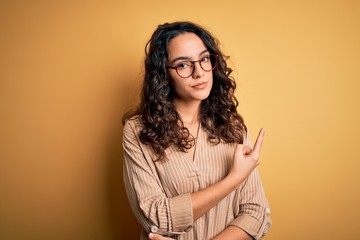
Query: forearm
{"points": [[233, 233], [245, 161], [204, 200]]}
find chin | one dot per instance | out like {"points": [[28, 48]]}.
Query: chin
{"points": [[203, 96]]}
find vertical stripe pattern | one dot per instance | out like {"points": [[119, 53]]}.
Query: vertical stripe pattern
{"points": [[160, 192]]}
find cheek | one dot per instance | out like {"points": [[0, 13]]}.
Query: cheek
{"points": [[172, 73], [171, 80], [211, 79], [176, 83], [177, 86]]}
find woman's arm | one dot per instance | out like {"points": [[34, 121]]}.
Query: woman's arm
{"points": [[245, 161], [253, 212], [144, 189]]}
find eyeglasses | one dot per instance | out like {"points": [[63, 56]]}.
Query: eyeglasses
{"points": [[187, 68]]}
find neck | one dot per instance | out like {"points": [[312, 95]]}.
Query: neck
{"points": [[189, 112]]}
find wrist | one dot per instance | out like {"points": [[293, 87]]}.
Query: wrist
{"points": [[232, 181]]}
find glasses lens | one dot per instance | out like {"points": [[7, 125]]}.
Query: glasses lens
{"points": [[185, 69], [208, 63]]}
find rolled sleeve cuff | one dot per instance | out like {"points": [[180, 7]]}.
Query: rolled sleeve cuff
{"points": [[252, 226], [181, 212]]}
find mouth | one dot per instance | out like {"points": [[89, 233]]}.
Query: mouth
{"points": [[200, 85]]}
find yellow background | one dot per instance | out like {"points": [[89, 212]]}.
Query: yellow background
{"points": [[70, 69]]}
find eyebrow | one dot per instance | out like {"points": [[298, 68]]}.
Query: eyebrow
{"points": [[187, 58]]}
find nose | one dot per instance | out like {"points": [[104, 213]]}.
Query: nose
{"points": [[198, 71]]}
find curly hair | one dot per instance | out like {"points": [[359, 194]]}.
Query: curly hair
{"points": [[161, 124]]}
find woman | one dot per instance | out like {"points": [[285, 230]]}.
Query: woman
{"points": [[188, 170]]}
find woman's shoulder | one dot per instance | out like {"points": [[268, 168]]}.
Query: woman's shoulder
{"points": [[133, 119], [134, 123]]}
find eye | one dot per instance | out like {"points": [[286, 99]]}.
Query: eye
{"points": [[183, 65], [205, 59]]}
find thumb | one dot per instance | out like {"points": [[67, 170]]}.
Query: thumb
{"points": [[154, 236], [246, 150], [151, 236]]}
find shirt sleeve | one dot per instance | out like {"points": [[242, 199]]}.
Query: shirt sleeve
{"points": [[144, 190], [254, 211]]}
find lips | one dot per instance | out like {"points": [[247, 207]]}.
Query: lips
{"points": [[200, 85]]}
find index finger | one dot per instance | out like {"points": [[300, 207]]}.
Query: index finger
{"points": [[259, 140]]}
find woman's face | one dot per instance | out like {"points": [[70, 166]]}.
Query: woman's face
{"points": [[183, 48]]}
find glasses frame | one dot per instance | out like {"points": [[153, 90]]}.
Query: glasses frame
{"points": [[193, 65]]}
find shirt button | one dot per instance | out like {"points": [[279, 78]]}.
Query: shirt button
{"points": [[154, 228], [267, 210]]}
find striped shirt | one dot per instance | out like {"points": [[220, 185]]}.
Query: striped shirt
{"points": [[159, 192]]}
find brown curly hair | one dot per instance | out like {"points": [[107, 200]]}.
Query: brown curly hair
{"points": [[161, 124]]}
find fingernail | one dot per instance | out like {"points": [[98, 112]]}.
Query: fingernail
{"points": [[151, 235]]}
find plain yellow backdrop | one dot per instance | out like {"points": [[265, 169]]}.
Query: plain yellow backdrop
{"points": [[70, 69]]}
